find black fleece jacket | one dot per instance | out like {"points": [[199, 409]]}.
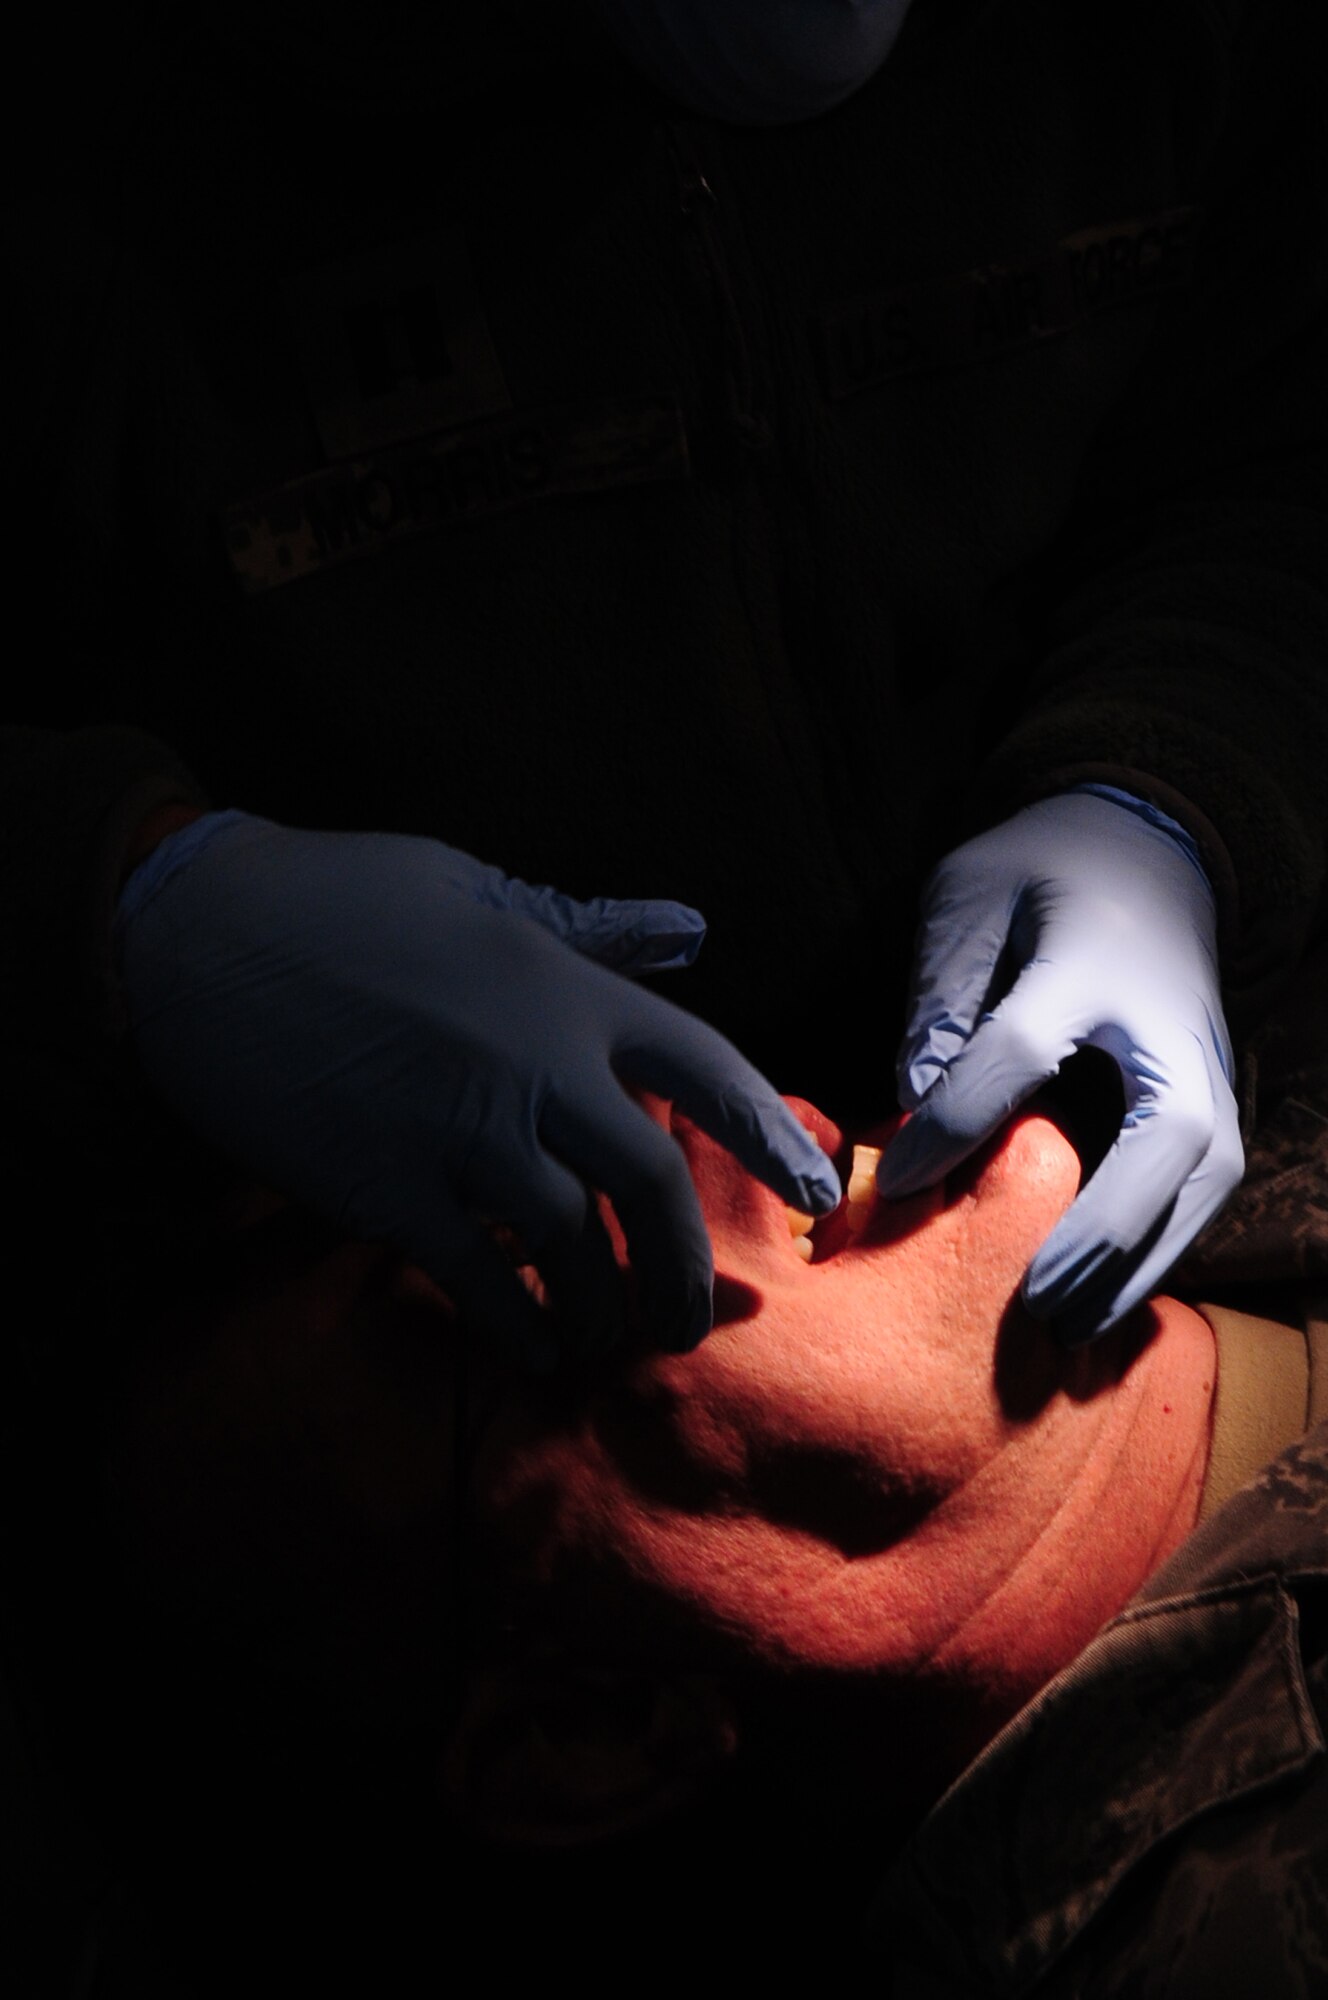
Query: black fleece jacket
{"points": [[644, 506], [657, 508]]}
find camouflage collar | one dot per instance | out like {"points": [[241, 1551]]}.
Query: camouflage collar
{"points": [[1193, 1698]]}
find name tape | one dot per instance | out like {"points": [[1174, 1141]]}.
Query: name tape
{"points": [[449, 481]]}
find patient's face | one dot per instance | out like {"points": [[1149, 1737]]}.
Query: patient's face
{"points": [[875, 1469], [877, 1465]]}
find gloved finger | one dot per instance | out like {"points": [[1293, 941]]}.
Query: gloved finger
{"points": [[465, 1261], [1094, 1268], [585, 1289], [644, 1174], [1012, 1053], [679, 1057], [959, 946], [1169, 1126], [1219, 1038], [558, 1228], [627, 935]]}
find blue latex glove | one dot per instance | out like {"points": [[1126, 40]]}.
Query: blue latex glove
{"points": [[415, 1046], [1099, 904], [756, 62]]}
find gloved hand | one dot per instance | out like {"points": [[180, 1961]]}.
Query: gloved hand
{"points": [[415, 1045], [1097, 907]]}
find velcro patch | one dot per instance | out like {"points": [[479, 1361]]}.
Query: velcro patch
{"points": [[394, 345]]}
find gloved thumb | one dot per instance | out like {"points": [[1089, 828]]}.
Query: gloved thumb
{"points": [[628, 935]]}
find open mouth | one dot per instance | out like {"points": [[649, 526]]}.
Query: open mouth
{"points": [[1085, 1103], [863, 1215]]}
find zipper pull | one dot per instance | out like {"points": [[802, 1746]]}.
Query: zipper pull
{"points": [[694, 190]]}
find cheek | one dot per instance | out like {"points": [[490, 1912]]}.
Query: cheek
{"points": [[1026, 1187], [903, 1334], [881, 1356], [852, 1378]]}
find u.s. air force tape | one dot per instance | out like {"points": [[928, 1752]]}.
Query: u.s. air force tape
{"points": [[956, 321]]}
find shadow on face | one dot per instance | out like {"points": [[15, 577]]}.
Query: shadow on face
{"points": [[286, 1494], [283, 1496], [281, 1462]]}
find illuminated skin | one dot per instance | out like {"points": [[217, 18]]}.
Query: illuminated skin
{"points": [[877, 1472], [878, 1467]]}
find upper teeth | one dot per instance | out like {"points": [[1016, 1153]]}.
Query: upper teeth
{"points": [[861, 1187], [862, 1176], [861, 1196]]}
